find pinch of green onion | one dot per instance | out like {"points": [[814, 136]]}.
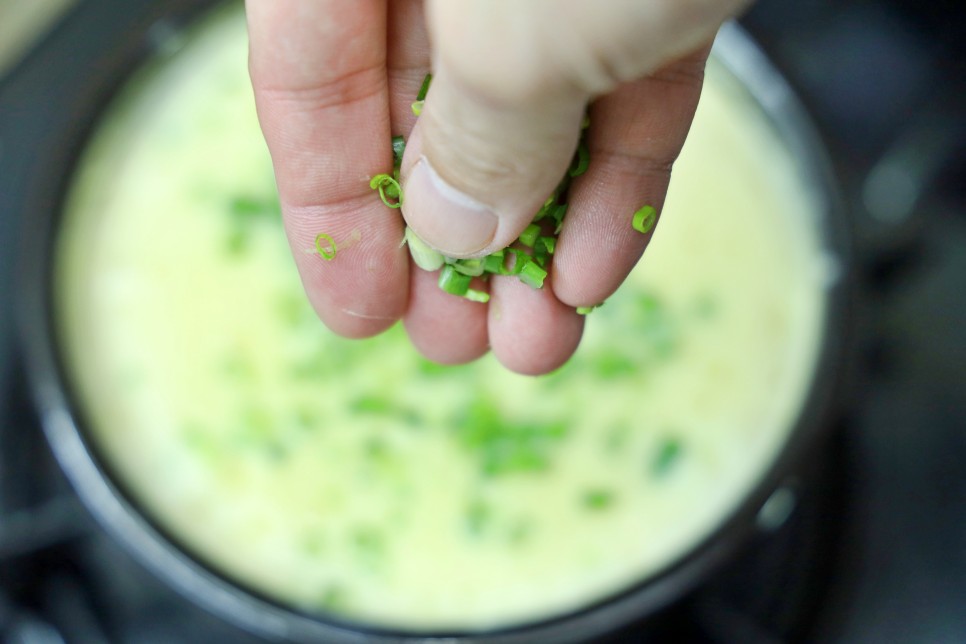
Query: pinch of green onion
{"points": [[388, 189], [550, 243], [644, 219], [585, 310], [532, 275], [417, 107], [454, 282], [425, 257], [327, 253]]}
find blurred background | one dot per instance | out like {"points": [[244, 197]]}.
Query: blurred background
{"points": [[875, 548]]}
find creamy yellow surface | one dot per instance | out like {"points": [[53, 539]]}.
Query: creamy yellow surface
{"points": [[356, 478]]}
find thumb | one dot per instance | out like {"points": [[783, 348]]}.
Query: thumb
{"points": [[478, 169], [496, 133]]}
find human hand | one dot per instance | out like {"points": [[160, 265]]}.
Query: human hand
{"points": [[335, 80]]}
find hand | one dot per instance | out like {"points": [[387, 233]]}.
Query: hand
{"points": [[334, 80]]}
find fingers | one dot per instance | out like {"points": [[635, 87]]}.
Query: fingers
{"points": [[636, 134], [318, 70], [531, 331]]}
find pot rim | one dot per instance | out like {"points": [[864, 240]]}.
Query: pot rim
{"points": [[120, 517]]}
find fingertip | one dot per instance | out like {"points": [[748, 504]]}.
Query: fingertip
{"points": [[445, 328], [361, 286], [531, 331]]}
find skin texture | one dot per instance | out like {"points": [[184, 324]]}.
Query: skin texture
{"points": [[334, 80]]}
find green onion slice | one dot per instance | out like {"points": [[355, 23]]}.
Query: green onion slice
{"points": [[520, 259], [428, 259], [493, 263], [452, 281], [424, 88], [532, 275], [389, 189], [471, 267], [644, 219], [327, 252], [477, 296], [585, 310], [398, 147], [529, 235]]}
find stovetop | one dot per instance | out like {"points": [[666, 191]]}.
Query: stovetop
{"points": [[874, 545]]}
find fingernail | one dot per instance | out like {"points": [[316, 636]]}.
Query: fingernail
{"points": [[445, 218]]}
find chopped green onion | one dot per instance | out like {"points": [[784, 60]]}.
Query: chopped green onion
{"points": [[452, 281], [558, 214], [385, 183], [493, 263], [520, 259], [327, 253], [425, 257], [477, 296], [529, 235], [586, 122], [581, 160], [546, 208], [424, 88], [540, 255], [644, 219], [532, 275], [471, 267], [398, 147], [584, 310], [531, 267]]}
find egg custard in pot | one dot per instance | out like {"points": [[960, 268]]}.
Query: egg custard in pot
{"points": [[355, 479]]}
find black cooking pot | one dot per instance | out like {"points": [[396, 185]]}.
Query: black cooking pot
{"points": [[51, 108]]}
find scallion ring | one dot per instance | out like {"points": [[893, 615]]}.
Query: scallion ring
{"points": [[327, 253]]}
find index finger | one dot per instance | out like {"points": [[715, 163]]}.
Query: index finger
{"points": [[319, 74]]}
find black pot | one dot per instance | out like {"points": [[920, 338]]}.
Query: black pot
{"points": [[54, 109]]}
